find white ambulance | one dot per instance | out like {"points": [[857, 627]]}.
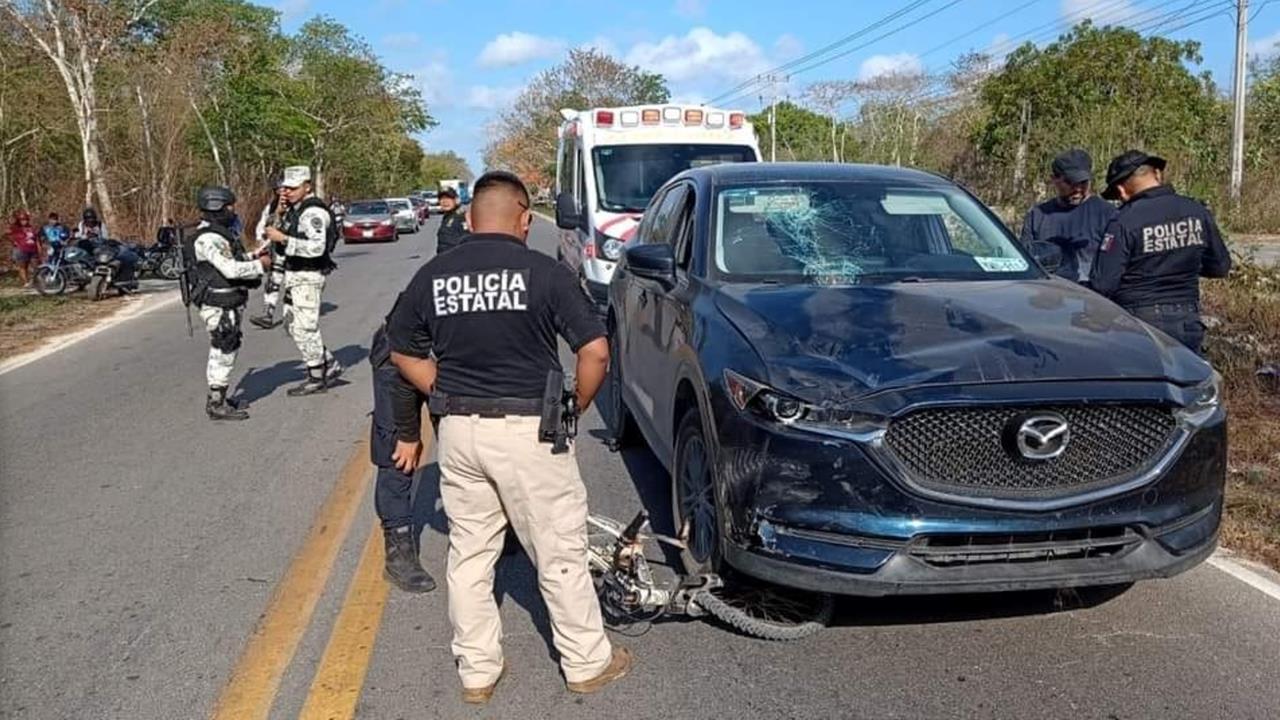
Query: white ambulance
{"points": [[612, 160]]}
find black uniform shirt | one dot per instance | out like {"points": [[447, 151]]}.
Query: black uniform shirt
{"points": [[452, 230], [1077, 229], [1156, 249], [491, 310]]}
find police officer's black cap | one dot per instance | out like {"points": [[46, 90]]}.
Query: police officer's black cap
{"points": [[214, 198], [1124, 165], [448, 193], [1075, 166]]}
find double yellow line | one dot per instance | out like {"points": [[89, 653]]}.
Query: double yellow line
{"points": [[335, 688]]}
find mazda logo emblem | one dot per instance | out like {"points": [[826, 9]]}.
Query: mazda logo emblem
{"points": [[1039, 437]]}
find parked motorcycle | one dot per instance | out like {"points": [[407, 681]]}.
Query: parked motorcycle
{"points": [[114, 267], [67, 265], [159, 260]]}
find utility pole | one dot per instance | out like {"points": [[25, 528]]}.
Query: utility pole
{"points": [[1237, 128], [773, 81]]}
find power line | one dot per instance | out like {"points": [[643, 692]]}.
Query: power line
{"points": [[874, 40], [756, 80]]}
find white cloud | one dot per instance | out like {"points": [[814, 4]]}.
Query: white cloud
{"points": [[435, 81], [691, 8], [484, 97], [602, 44], [518, 47], [700, 55], [788, 46], [898, 64], [1266, 46], [291, 9], [402, 40]]}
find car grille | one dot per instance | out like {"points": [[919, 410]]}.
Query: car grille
{"points": [[965, 451], [957, 550]]}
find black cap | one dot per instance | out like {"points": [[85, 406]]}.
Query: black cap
{"points": [[1124, 165], [213, 198], [1075, 166], [448, 193]]}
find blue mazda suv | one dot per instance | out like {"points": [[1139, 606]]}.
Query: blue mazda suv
{"points": [[861, 384]]}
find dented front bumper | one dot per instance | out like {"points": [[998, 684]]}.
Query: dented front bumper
{"points": [[823, 514]]}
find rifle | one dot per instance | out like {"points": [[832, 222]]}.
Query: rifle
{"points": [[558, 422], [184, 277]]}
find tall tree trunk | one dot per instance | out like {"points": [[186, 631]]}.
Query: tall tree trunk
{"points": [[318, 184], [208, 135], [1020, 155]]}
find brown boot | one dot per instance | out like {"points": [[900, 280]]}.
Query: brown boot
{"points": [[618, 666], [481, 695]]}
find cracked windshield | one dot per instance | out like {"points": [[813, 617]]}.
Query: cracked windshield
{"points": [[856, 233]]}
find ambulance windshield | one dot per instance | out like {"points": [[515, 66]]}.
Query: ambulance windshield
{"points": [[627, 176]]}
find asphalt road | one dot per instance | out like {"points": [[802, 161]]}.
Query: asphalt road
{"points": [[140, 546]]}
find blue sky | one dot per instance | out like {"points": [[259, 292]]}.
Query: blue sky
{"points": [[471, 57]]}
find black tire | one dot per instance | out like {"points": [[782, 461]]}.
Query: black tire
{"points": [[620, 423], [769, 613], [97, 285], [49, 281], [168, 268], [693, 498]]}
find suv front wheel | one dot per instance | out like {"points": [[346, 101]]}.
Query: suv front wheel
{"points": [[693, 497]]}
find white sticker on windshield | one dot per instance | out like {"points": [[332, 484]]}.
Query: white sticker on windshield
{"points": [[1001, 264], [915, 205]]}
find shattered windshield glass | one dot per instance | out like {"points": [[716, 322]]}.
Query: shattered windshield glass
{"points": [[843, 233]]}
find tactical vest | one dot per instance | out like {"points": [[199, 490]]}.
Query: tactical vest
{"points": [[210, 287], [324, 263]]}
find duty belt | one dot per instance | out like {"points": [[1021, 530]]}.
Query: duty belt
{"points": [[485, 407]]}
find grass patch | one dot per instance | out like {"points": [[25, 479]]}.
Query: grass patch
{"points": [[1244, 335], [28, 320]]}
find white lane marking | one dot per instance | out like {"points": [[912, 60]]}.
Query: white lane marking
{"points": [[131, 309], [1245, 574]]}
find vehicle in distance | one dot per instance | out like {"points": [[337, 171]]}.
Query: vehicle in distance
{"points": [[433, 200], [610, 162], [405, 216], [420, 209], [862, 384], [369, 221]]}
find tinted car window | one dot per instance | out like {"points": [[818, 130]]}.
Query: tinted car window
{"points": [[399, 204], [666, 214], [369, 208], [852, 233]]}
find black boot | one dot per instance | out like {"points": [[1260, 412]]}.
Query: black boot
{"points": [[403, 568], [266, 321], [217, 407], [315, 383]]}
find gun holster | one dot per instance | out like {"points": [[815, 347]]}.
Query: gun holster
{"points": [[558, 421]]}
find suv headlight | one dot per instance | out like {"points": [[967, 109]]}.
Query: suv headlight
{"points": [[1206, 400], [612, 249], [752, 396]]}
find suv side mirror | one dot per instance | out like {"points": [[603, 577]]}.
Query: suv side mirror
{"points": [[567, 215], [656, 261], [1047, 254]]}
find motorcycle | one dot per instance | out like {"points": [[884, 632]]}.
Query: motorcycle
{"points": [[67, 264], [114, 266], [158, 260]]}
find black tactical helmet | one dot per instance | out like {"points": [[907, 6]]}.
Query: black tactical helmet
{"points": [[89, 215], [214, 198]]}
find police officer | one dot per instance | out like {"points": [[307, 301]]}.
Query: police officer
{"points": [[1157, 248], [221, 280], [1075, 220], [395, 447], [272, 216], [490, 310], [309, 236], [453, 225]]}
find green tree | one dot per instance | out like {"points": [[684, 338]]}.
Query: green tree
{"points": [[523, 137], [1103, 89], [442, 166], [802, 134]]}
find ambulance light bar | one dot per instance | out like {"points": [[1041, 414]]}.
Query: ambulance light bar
{"points": [[667, 115]]}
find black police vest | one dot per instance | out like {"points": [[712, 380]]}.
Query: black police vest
{"points": [[211, 287], [322, 264]]}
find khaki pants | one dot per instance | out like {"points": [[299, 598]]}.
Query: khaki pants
{"points": [[494, 471]]}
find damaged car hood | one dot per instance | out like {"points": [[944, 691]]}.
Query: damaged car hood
{"points": [[837, 343]]}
